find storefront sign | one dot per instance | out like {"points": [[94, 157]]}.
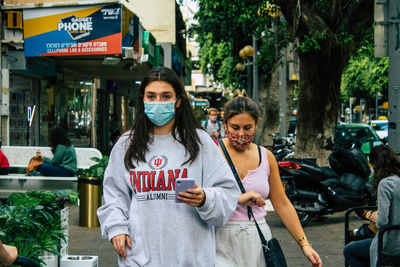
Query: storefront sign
{"points": [[30, 113], [149, 47], [130, 32], [202, 103], [70, 31]]}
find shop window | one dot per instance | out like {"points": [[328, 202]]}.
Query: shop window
{"points": [[74, 111], [22, 98]]}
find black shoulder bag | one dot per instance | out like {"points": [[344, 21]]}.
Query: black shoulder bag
{"points": [[273, 253]]}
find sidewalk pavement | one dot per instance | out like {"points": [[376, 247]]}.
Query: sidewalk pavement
{"points": [[326, 237]]}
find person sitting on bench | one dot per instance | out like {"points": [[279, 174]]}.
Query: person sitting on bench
{"points": [[4, 164], [64, 163]]}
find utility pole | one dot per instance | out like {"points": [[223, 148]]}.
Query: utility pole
{"points": [[282, 94], [394, 75], [387, 44], [248, 70], [1, 74], [255, 71], [282, 89]]}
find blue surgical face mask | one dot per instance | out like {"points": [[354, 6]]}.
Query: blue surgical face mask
{"points": [[160, 113]]}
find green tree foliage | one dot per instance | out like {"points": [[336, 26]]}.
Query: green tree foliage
{"points": [[224, 28], [365, 75], [325, 33], [328, 32]]}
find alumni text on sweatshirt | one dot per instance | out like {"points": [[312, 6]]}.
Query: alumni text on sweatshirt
{"points": [[141, 203]]}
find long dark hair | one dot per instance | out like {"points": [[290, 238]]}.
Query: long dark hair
{"points": [[58, 137], [185, 122], [240, 104], [385, 163]]}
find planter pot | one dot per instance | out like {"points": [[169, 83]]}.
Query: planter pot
{"points": [[79, 261], [64, 215], [50, 260], [89, 201]]}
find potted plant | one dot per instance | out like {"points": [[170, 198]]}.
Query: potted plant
{"points": [[90, 181], [31, 221], [97, 170]]}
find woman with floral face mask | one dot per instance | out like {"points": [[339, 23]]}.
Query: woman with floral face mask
{"points": [[140, 215], [238, 242]]}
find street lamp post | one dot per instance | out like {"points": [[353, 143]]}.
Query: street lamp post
{"points": [[378, 96], [255, 72], [245, 53]]}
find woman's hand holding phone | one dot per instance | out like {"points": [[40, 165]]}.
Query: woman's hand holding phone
{"points": [[118, 242], [194, 197]]}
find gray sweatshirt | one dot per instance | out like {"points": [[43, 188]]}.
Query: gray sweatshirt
{"points": [[388, 214], [141, 203]]}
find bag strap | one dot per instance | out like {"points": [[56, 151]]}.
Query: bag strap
{"points": [[249, 209], [228, 158]]}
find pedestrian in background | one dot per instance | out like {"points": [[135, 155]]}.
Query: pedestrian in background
{"points": [[238, 242], [213, 126], [63, 163], [115, 128], [140, 215]]}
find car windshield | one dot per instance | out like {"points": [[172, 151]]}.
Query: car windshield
{"points": [[363, 134], [380, 126]]}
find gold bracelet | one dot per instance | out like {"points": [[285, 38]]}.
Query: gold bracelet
{"points": [[301, 239], [306, 244], [368, 212]]}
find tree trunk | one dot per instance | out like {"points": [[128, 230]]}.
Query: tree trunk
{"points": [[319, 102], [269, 108]]}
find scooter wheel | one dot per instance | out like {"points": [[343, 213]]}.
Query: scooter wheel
{"points": [[304, 218]]}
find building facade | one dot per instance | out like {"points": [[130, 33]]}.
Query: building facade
{"points": [[74, 66]]}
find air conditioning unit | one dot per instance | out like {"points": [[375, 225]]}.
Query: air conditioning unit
{"points": [[127, 52], [13, 19]]}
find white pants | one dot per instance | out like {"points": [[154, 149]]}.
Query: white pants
{"points": [[238, 244]]}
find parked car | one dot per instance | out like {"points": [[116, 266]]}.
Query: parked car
{"points": [[381, 127], [360, 134]]}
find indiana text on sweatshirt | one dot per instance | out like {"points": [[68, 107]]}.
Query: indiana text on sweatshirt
{"points": [[141, 203]]}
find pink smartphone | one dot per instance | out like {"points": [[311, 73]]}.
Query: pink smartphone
{"points": [[182, 185]]}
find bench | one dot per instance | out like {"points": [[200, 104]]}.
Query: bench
{"points": [[19, 156]]}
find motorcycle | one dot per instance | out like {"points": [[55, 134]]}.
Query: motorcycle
{"points": [[318, 191], [283, 147]]}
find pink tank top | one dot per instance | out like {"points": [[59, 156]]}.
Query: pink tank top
{"points": [[258, 181]]}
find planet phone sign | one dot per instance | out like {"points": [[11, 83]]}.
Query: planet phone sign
{"points": [[72, 31]]}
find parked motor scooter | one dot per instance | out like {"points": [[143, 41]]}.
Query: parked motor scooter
{"points": [[317, 191], [283, 147]]}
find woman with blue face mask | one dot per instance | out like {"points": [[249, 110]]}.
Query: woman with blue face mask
{"points": [[140, 215]]}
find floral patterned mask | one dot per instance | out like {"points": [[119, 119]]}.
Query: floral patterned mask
{"points": [[240, 142]]}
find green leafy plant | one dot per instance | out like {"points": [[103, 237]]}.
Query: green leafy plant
{"points": [[97, 170], [31, 222]]}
